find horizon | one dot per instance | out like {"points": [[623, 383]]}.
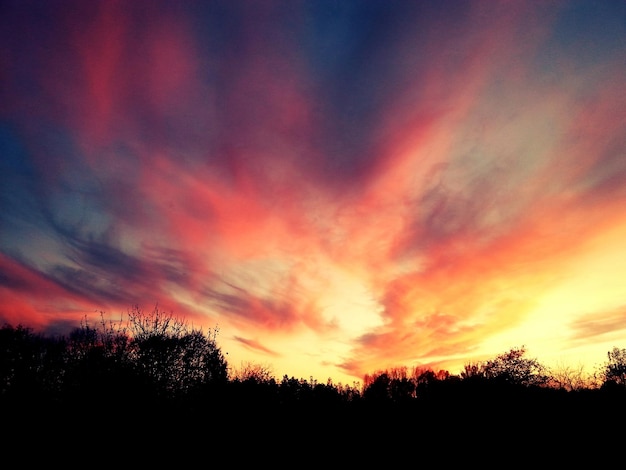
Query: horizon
{"points": [[339, 187], [585, 377]]}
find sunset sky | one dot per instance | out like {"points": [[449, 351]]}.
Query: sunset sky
{"points": [[340, 187]]}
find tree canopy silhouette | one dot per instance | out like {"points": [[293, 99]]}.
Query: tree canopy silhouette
{"points": [[154, 376], [614, 372], [154, 357]]}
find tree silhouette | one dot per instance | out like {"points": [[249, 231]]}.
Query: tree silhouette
{"points": [[155, 375], [31, 365], [377, 388], [513, 368], [99, 364], [173, 357], [614, 373]]}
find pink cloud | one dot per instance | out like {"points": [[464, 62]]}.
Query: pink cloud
{"points": [[444, 172], [256, 346], [32, 299]]}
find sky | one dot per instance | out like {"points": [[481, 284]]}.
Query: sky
{"points": [[338, 187]]}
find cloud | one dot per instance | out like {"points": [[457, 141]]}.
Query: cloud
{"points": [[33, 299], [406, 177], [589, 327], [256, 346]]}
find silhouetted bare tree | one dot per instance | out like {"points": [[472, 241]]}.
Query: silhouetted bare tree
{"points": [[571, 378]]}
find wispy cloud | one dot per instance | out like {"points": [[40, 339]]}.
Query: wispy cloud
{"points": [[256, 346], [587, 327], [393, 183]]}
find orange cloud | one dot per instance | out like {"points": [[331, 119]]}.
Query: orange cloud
{"points": [[256, 346], [375, 193]]}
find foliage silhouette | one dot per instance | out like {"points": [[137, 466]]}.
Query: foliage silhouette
{"points": [[513, 368], [162, 375], [614, 372], [31, 365]]}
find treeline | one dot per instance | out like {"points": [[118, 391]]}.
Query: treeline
{"points": [[153, 392], [155, 360]]}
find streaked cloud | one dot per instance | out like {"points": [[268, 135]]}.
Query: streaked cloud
{"points": [[344, 186]]}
